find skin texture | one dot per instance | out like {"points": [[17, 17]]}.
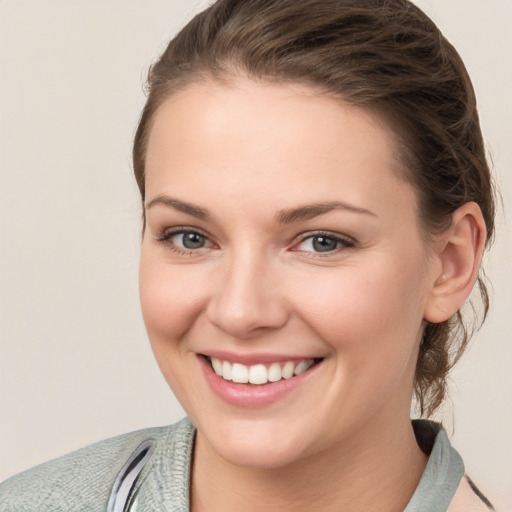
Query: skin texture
{"points": [[244, 153]]}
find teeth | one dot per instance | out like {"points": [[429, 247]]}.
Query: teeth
{"points": [[217, 366], [259, 374], [274, 372], [301, 367], [226, 370], [239, 373], [287, 370]]}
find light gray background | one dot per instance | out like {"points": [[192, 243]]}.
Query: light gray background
{"points": [[75, 365]]}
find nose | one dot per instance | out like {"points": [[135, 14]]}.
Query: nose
{"points": [[248, 299]]}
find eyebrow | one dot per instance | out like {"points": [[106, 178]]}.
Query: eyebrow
{"points": [[181, 206], [310, 211], [286, 216]]}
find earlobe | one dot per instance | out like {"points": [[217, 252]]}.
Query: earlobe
{"points": [[459, 254]]}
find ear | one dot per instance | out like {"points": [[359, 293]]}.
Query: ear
{"points": [[458, 253]]}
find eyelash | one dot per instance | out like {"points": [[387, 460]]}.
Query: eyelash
{"points": [[165, 238], [343, 242]]}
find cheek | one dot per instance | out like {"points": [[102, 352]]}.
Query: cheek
{"points": [[171, 298], [372, 313], [371, 322], [171, 301]]}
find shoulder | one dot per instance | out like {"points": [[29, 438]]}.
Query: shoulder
{"points": [[82, 480]]}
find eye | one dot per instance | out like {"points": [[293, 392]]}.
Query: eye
{"points": [[323, 243], [184, 241], [189, 240]]}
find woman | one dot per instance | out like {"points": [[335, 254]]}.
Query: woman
{"points": [[316, 204]]}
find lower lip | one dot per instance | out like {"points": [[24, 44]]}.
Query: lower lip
{"points": [[249, 395]]}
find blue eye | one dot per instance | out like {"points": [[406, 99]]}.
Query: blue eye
{"points": [[184, 241], [188, 240], [323, 242]]}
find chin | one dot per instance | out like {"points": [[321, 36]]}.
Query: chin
{"points": [[255, 445], [255, 455]]}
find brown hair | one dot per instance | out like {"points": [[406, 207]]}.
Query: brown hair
{"points": [[383, 55]]}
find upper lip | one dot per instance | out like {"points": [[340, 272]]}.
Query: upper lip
{"points": [[255, 358]]}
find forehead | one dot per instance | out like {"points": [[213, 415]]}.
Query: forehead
{"points": [[250, 110], [269, 139]]}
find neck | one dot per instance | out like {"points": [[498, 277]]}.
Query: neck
{"points": [[377, 469]]}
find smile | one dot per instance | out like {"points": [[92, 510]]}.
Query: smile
{"points": [[259, 374]]}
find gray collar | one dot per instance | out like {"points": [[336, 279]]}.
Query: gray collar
{"points": [[443, 473]]}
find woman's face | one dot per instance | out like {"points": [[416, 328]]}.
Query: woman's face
{"points": [[279, 237]]}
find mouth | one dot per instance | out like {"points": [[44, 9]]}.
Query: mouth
{"points": [[260, 374]]}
